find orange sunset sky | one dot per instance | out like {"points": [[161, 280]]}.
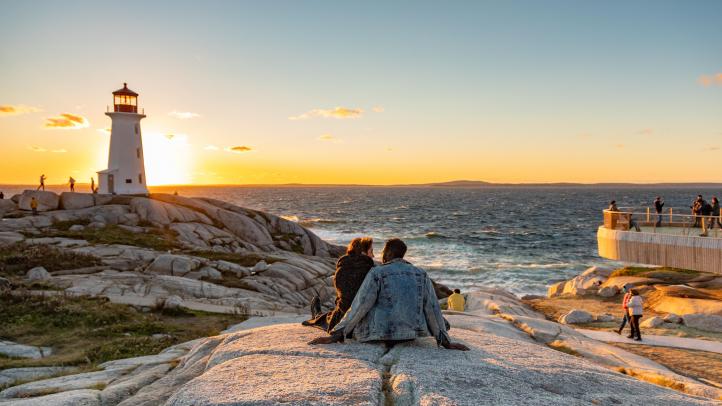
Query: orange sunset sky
{"points": [[370, 93]]}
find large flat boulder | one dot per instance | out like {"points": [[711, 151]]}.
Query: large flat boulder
{"points": [[74, 200], [46, 200], [7, 205]]}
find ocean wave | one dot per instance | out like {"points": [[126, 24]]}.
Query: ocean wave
{"points": [[290, 218], [313, 221], [434, 234]]}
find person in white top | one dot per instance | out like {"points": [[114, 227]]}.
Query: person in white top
{"points": [[635, 306]]}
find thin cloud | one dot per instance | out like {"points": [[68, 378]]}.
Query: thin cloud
{"points": [[35, 148], [10, 110], [104, 131], [709, 149], [378, 109], [328, 138], [211, 148], [67, 121], [619, 146], [336, 112], [183, 115], [645, 131], [711, 80], [239, 149], [59, 151]]}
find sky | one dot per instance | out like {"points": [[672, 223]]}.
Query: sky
{"points": [[381, 92]]}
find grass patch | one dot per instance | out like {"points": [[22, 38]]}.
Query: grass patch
{"points": [[161, 239], [653, 378], [247, 259], [561, 347], [90, 331], [641, 271], [65, 225], [18, 258]]}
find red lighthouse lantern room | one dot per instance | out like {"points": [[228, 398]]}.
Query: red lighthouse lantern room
{"points": [[125, 100]]}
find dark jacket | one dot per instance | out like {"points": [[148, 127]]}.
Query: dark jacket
{"points": [[351, 270], [715, 209], [658, 204]]}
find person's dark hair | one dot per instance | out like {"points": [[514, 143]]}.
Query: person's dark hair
{"points": [[394, 248], [457, 291], [634, 292], [613, 202], [359, 245]]}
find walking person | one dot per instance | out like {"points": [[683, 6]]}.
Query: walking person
{"points": [[696, 206], [2, 195], [658, 205], [705, 211], [34, 205], [625, 308], [92, 185], [715, 219], [635, 305], [42, 182], [72, 184]]}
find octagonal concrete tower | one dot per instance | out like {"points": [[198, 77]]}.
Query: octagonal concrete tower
{"points": [[126, 169]]}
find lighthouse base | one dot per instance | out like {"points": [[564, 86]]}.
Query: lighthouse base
{"points": [[109, 182]]}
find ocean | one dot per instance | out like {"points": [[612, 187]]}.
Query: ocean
{"points": [[518, 238]]}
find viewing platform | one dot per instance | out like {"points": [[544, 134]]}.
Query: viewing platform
{"points": [[673, 239]]}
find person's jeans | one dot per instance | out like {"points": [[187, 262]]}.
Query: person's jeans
{"points": [[659, 220], [634, 324], [624, 321]]}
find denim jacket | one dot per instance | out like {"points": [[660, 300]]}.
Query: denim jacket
{"points": [[396, 301]]}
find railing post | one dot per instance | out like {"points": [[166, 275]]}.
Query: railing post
{"points": [[670, 216], [647, 214]]}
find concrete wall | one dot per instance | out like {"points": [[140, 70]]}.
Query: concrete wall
{"points": [[685, 252]]}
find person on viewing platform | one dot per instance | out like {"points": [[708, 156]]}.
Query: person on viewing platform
{"points": [[705, 211], [71, 181], [636, 306], [696, 207], [715, 213], [658, 205], [456, 301], [351, 269], [92, 185], [625, 308], [396, 303]]}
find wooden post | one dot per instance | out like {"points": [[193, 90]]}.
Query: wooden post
{"points": [[647, 214], [670, 216]]}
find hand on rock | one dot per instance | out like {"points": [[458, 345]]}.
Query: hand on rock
{"points": [[455, 346], [324, 340]]}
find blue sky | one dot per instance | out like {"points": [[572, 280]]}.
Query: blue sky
{"points": [[502, 91]]}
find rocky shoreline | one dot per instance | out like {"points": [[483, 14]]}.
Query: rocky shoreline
{"points": [[172, 252]]}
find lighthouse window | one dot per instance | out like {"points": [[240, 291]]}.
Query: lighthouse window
{"points": [[129, 181], [140, 178], [137, 150], [136, 131]]}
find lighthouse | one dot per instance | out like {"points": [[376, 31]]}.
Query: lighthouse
{"points": [[126, 170]]}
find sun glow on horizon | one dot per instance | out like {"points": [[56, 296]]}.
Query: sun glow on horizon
{"points": [[168, 159]]}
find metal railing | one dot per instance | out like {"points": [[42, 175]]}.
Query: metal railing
{"points": [[669, 221]]}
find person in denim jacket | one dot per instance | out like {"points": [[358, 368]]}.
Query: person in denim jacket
{"points": [[395, 303]]}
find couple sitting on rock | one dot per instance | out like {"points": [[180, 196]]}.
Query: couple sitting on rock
{"points": [[390, 303]]}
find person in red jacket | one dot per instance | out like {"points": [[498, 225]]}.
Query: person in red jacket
{"points": [[625, 308]]}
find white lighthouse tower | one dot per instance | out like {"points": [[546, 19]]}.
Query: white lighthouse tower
{"points": [[126, 170]]}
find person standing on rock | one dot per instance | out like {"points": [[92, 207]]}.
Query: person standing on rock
{"points": [[72, 184], [625, 308], [635, 313], [34, 205], [2, 195], [42, 182], [396, 303], [456, 301], [351, 269], [92, 185]]}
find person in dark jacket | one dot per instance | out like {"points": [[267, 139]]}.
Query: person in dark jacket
{"points": [[705, 210], [351, 269], [658, 205], [715, 212]]}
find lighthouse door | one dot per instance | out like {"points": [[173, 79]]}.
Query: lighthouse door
{"points": [[111, 184]]}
